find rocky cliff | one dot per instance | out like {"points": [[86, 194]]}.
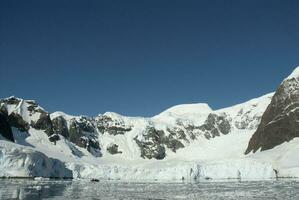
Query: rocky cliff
{"points": [[280, 122]]}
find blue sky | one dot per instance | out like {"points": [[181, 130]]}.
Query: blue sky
{"points": [[140, 57]]}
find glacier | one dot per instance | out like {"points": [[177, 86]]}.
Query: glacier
{"points": [[21, 161]]}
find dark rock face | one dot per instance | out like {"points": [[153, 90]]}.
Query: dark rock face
{"points": [[17, 121], [150, 150], [11, 101], [280, 122], [86, 124], [33, 107], [60, 126], [113, 149], [214, 125], [172, 141], [5, 129], [54, 138], [75, 133], [78, 136], [113, 127], [182, 130], [153, 145], [178, 133], [43, 123], [81, 132], [3, 109]]}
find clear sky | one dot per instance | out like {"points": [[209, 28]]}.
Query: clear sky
{"points": [[140, 57]]}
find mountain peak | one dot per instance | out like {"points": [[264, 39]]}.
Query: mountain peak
{"points": [[189, 108], [294, 74]]}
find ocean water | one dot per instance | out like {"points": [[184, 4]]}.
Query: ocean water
{"points": [[112, 190]]}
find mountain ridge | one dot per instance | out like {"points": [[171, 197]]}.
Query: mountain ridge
{"points": [[182, 139]]}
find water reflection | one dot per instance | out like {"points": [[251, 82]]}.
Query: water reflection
{"points": [[27, 189], [112, 190]]}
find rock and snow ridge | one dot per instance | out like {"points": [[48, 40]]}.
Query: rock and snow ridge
{"points": [[294, 74], [280, 121], [185, 142]]}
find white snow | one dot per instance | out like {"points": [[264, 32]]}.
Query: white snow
{"points": [[294, 74], [21, 161], [206, 159], [284, 158], [195, 113], [186, 109], [21, 109], [175, 170]]}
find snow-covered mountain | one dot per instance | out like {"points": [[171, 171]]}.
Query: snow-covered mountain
{"points": [[189, 141]]}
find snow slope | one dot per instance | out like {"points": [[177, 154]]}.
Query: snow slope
{"points": [[283, 158], [21, 161], [294, 74]]}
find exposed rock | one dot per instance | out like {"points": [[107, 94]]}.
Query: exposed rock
{"points": [[43, 123], [113, 149], [154, 142], [83, 139], [216, 125], [151, 146], [172, 143], [178, 132], [11, 101], [33, 107], [86, 124], [17, 121], [60, 126], [280, 122], [75, 133], [54, 138], [245, 121], [3, 109], [190, 130], [113, 127], [90, 143], [5, 129], [150, 150]]}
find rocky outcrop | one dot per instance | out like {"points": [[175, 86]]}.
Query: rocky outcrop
{"points": [[154, 142], [280, 122], [78, 135], [81, 130], [11, 101], [60, 126], [106, 124], [16, 120], [54, 138], [216, 125], [151, 146], [245, 121], [5, 129], [33, 107], [43, 123], [113, 149]]}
